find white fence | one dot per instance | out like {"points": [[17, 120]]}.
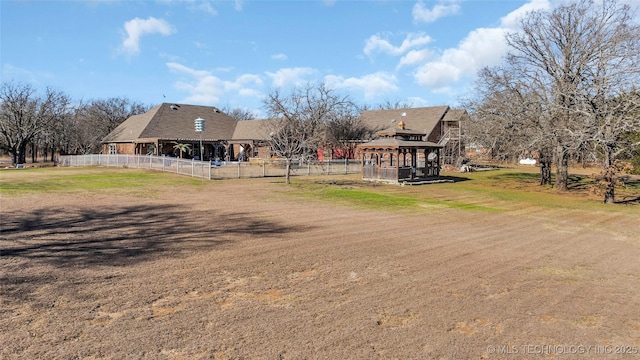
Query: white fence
{"points": [[211, 170]]}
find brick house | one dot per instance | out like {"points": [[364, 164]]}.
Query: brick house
{"points": [[157, 132]]}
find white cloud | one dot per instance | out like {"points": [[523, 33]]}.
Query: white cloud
{"points": [[205, 88], [279, 57], [372, 85], [481, 47], [11, 72], [444, 8], [290, 76], [238, 5], [249, 93], [196, 5], [203, 6], [412, 40], [415, 57], [510, 20], [418, 101], [248, 79], [137, 27]]}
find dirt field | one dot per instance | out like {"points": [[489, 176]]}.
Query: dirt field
{"points": [[241, 270]]}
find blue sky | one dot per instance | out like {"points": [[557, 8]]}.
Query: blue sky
{"points": [[232, 53]]}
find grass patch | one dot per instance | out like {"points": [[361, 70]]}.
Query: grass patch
{"points": [[369, 199], [91, 179], [507, 176], [379, 197], [502, 190]]}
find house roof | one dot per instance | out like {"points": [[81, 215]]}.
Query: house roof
{"points": [[422, 119], [252, 130], [456, 115], [175, 122]]}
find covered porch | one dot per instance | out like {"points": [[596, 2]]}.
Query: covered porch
{"points": [[211, 149]]}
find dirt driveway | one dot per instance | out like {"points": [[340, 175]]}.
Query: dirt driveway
{"points": [[241, 270]]}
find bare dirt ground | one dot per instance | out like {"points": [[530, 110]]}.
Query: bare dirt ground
{"points": [[240, 270]]}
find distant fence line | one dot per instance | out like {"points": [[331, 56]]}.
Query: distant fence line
{"points": [[214, 170]]}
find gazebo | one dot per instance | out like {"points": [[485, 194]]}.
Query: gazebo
{"points": [[400, 155]]}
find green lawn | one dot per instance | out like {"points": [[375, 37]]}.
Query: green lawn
{"points": [[92, 179], [489, 191]]}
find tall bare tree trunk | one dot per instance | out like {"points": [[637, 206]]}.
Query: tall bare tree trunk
{"points": [[288, 172], [562, 169], [609, 177], [545, 167], [21, 154], [34, 152]]}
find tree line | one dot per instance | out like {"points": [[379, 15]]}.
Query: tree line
{"points": [[51, 123], [567, 89]]}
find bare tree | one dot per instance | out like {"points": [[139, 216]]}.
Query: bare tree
{"points": [[97, 118], [25, 115], [613, 123], [394, 104], [508, 120], [300, 120], [582, 54], [239, 114], [344, 130], [567, 65]]}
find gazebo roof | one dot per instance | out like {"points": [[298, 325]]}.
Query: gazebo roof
{"points": [[398, 137], [398, 143], [396, 131]]}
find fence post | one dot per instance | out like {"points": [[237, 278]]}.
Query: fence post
{"points": [[264, 169], [308, 167], [238, 169], [346, 166], [209, 170], [192, 165], [178, 166]]}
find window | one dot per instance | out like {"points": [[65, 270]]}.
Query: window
{"points": [[112, 149]]}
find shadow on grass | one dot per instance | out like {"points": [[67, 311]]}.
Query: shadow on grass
{"points": [[122, 236], [454, 179], [574, 182], [517, 176], [579, 182], [629, 200], [417, 181], [630, 193], [83, 238]]}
